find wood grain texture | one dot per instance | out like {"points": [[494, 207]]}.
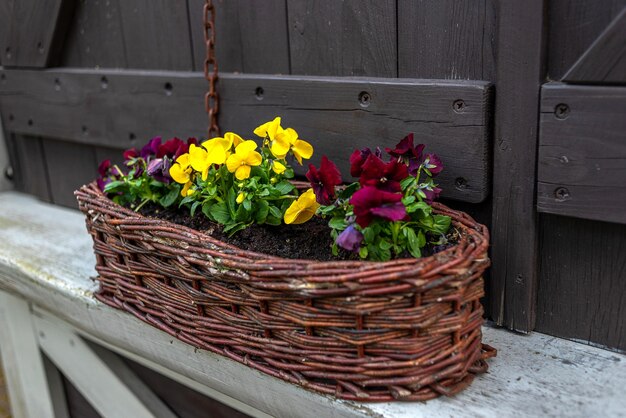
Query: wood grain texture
{"points": [[95, 37], [6, 8], [573, 25], [326, 111], [35, 32], [156, 34], [605, 60], [69, 165], [514, 226], [582, 285], [29, 166], [446, 39], [343, 38], [582, 153], [250, 37]]}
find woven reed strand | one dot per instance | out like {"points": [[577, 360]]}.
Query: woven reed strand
{"points": [[407, 329]]}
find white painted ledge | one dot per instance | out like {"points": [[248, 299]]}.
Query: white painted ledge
{"points": [[46, 258]]}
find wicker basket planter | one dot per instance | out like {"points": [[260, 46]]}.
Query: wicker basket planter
{"points": [[406, 329]]}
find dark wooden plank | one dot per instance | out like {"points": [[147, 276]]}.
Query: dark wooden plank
{"points": [[514, 227], [582, 152], [70, 165], [343, 38], [248, 38], [35, 32], [29, 166], [605, 60], [6, 8], [573, 26], [461, 46], [582, 291], [95, 36], [228, 46], [327, 111], [156, 34]]}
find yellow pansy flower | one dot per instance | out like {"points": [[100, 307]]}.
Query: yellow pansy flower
{"points": [[269, 129], [186, 192], [211, 152], [278, 167], [302, 209], [288, 140], [180, 170], [232, 139], [244, 158]]}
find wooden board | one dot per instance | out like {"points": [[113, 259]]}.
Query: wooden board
{"points": [[249, 38], [28, 161], [573, 25], [35, 32], [95, 37], [326, 111], [582, 152], [337, 37], [461, 47], [605, 60], [156, 34], [69, 165], [582, 286], [514, 226]]}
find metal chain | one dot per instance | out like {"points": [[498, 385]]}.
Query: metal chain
{"points": [[212, 98]]}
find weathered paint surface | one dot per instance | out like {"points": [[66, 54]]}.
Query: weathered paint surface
{"points": [[45, 256]]}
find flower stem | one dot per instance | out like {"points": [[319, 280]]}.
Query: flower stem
{"points": [[139, 206]]}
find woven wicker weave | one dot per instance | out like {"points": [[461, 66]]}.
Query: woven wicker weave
{"points": [[406, 329]]}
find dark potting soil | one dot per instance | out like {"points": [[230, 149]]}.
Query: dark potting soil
{"points": [[310, 240]]}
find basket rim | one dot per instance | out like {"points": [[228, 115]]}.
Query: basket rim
{"points": [[471, 232]]}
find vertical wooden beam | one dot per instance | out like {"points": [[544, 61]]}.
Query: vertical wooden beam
{"points": [[24, 369], [519, 76]]}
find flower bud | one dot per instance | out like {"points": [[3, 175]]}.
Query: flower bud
{"points": [[240, 197]]}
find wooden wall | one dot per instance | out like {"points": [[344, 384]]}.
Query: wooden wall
{"points": [[421, 58]]}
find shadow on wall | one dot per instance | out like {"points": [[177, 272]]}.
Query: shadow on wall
{"points": [[5, 410]]}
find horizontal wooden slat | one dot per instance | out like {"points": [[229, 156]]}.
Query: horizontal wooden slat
{"points": [[582, 152], [120, 109]]}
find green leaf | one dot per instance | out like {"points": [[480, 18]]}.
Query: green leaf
{"points": [[232, 229], [384, 244], [404, 184], [415, 242], [170, 198], [275, 212], [363, 252], [272, 220], [441, 223], [113, 185], [284, 187], [186, 200], [338, 222], [242, 215], [262, 210], [194, 207], [247, 204], [325, 210], [407, 200], [348, 191], [220, 213], [288, 173]]}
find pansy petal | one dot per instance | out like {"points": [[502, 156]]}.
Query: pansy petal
{"points": [[242, 172]]}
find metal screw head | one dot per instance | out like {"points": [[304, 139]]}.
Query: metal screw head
{"points": [[458, 106], [7, 52], [168, 88], [561, 194], [104, 83], [365, 99], [460, 183], [561, 111], [9, 173]]}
